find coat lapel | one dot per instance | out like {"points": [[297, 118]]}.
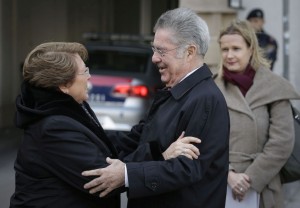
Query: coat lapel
{"points": [[234, 98]]}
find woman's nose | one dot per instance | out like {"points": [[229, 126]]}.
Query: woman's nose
{"points": [[230, 54]]}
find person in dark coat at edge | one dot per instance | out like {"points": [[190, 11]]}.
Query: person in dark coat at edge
{"points": [[265, 40], [62, 136], [191, 102]]}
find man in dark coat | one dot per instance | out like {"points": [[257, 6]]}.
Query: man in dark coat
{"points": [[191, 102], [265, 41]]}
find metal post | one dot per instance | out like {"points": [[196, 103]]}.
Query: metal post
{"points": [[286, 39]]}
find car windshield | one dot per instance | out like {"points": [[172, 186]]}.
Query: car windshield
{"points": [[117, 61]]}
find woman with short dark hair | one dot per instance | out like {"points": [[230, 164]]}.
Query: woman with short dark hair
{"points": [[62, 136]]}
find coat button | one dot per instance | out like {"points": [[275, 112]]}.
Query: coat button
{"points": [[153, 186]]}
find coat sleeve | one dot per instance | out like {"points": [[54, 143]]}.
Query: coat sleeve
{"points": [[66, 150], [208, 121], [129, 146], [278, 147]]}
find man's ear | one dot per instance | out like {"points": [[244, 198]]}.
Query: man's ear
{"points": [[191, 50]]}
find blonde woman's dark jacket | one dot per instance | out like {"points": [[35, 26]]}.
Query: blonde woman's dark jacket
{"points": [[261, 132]]}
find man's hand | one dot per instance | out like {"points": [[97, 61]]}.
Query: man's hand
{"points": [[183, 146], [110, 178]]}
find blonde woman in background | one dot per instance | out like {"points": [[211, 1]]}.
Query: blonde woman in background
{"points": [[262, 129]]}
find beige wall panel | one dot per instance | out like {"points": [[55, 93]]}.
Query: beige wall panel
{"points": [[217, 14], [206, 5], [213, 21], [213, 54]]}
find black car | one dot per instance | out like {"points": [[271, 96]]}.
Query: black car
{"points": [[123, 80]]}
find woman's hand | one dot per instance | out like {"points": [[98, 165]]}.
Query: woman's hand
{"points": [[183, 146], [239, 183]]}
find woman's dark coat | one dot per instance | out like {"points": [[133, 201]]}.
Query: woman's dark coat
{"points": [[60, 141]]}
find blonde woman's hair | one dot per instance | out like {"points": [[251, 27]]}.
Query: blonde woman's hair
{"points": [[244, 29]]}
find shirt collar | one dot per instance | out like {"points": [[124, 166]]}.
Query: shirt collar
{"points": [[196, 76], [188, 74]]}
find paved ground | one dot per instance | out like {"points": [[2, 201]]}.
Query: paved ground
{"points": [[292, 195], [10, 139]]}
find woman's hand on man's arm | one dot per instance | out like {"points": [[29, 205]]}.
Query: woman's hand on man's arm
{"points": [[183, 146]]}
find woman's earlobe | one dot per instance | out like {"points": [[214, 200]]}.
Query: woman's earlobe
{"points": [[64, 89]]}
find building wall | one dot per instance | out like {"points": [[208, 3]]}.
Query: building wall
{"points": [[217, 14], [295, 45]]}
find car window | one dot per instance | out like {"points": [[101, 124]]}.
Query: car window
{"points": [[117, 61]]}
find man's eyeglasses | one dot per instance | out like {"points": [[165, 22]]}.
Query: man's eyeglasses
{"points": [[162, 52], [86, 71]]}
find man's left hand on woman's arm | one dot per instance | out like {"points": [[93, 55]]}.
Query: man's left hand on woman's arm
{"points": [[110, 178]]}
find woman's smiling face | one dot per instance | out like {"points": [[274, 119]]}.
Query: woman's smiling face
{"points": [[79, 88]]}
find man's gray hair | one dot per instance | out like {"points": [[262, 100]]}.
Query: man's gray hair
{"points": [[187, 28]]}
